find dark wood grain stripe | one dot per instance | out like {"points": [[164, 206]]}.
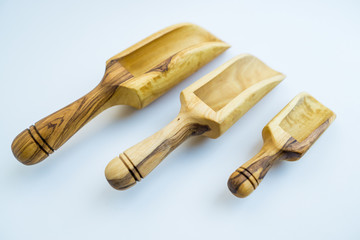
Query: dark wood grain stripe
{"points": [[246, 175], [292, 145], [38, 144], [180, 136], [161, 67], [244, 169], [134, 167], [130, 170], [123, 183], [49, 148]]}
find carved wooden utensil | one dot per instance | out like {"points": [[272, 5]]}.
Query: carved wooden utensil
{"points": [[135, 77], [286, 137], [208, 107]]}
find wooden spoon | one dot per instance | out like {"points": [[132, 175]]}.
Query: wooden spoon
{"points": [[135, 77], [208, 107], [286, 137]]}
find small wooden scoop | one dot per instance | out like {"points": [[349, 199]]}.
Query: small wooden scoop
{"points": [[286, 137], [208, 107], [135, 77]]}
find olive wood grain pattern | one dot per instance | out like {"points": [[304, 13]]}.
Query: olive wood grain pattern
{"points": [[286, 137], [209, 107], [135, 77]]}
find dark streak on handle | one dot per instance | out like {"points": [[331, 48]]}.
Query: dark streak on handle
{"points": [[263, 161], [174, 141], [50, 133], [138, 161]]}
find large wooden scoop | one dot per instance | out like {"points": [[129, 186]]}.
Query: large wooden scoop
{"points": [[209, 107], [135, 77], [286, 137]]}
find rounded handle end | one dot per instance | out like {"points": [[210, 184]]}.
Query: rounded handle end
{"points": [[29, 148], [242, 183], [121, 174]]}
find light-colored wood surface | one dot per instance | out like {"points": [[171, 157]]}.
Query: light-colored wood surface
{"points": [[135, 77], [209, 107], [44, 46], [286, 137]]}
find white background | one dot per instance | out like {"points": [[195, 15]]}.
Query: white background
{"points": [[51, 53]]}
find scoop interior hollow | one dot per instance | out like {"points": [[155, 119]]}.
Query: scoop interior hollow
{"points": [[166, 43], [227, 85], [224, 95], [306, 116]]}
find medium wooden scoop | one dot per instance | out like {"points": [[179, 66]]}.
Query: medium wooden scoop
{"points": [[135, 77], [208, 107], [286, 137]]}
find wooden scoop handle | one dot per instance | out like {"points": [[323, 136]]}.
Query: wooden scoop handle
{"points": [[247, 177], [40, 140], [138, 161]]}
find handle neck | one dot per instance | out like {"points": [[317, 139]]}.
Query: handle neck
{"points": [[174, 134], [262, 160]]}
